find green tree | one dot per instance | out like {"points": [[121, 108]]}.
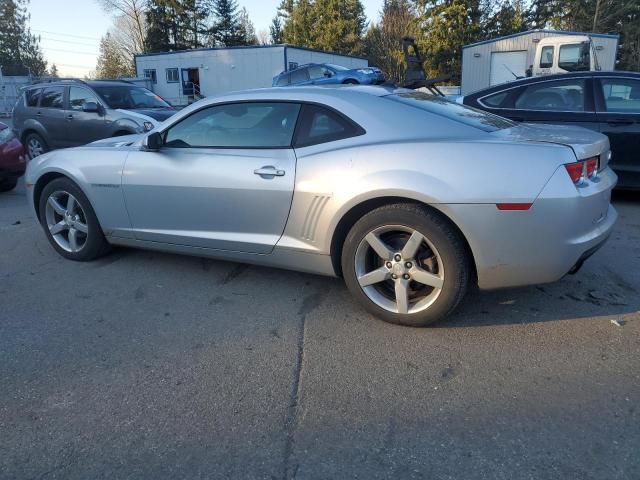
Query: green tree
{"points": [[20, 52], [53, 72], [226, 30], [299, 24], [383, 41], [111, 62], [338, 26], [275, 30], [444, 27], [176, 25], [247, 30], [508, 16]]}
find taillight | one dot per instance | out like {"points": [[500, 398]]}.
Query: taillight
{"points": [[575, 171], [592, 167], [578, 171]]}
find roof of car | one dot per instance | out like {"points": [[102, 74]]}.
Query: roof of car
{"points": [[558, 76], [72, 81]]}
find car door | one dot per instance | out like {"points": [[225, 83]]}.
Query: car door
{"points": [[320, 75], [618, 105], [561, 101], [50, 113], [84, 127], [300, 77], [223, 179]]}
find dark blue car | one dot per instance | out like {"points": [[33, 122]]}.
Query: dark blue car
{"points": [[327, 74]]}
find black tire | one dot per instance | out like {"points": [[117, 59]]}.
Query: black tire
{"points": [[440, 233], [96, 244], [8, 184], [351, 81], [29, 142]]}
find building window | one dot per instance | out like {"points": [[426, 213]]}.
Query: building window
{"points": [[151, 75], [172, 75]]}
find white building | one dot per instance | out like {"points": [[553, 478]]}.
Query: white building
{"points": [[501, 59], [177, 76]]}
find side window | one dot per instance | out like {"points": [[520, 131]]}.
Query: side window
{"points": [[561, 95], [497, 100], [32, 97], [546, 57], [52, 97], [322, 125], [621, 94], [283, 80], [298, 76], [574, 57], [237, 125], [151, 75], [318, 71], [79, 96], [172, 75]]}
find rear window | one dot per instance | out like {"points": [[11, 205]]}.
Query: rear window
{"points": [[32, 97], [453, 111]]}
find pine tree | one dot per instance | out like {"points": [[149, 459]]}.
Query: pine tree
{"points": [[111, 63], [226, 31], [383, 41], [275, 30], [20, 52], [248, 31], [299, 24], [338, 25], [53, 72]]}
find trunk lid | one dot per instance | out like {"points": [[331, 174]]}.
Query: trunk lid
{"points": [[585, 143]]}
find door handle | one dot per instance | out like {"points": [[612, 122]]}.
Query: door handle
{"points": [[269, 171], [70, 117], [38, 114]]}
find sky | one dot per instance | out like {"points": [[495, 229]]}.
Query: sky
{"points": [[70, 30]]}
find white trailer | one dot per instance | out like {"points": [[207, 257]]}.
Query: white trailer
{"points": [[180, 77]]}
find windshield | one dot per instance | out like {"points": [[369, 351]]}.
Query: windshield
{"points": [[336, 67], [454, 111], [129, 96]]}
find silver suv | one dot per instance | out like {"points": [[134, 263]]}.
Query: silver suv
{"points": [[68, 113]]}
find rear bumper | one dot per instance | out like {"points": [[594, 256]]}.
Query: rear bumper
{"points": [[563, 227], [12, 160]]}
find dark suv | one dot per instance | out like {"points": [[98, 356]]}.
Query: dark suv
{"points": [[69, 113]]}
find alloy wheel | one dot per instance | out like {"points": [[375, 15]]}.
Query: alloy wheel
{"points": [[34, 147], [66, 221], [399, 269]]}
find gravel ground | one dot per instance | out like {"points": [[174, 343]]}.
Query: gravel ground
{"points": [[146, 365]]}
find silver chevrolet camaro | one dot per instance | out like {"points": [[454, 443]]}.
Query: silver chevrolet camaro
{"points": [[409, 197]]}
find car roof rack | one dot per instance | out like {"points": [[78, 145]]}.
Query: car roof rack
{"points": [[415, 76], [59, 80]]}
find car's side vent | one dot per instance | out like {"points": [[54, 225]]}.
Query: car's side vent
{"points": [[313, 215]]}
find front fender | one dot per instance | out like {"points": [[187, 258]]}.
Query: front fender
{"points": [[100, 180]]}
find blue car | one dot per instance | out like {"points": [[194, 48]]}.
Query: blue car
{"points": [[327, 74]]}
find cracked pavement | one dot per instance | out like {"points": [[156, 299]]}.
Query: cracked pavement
{"points": [[148, 365]]}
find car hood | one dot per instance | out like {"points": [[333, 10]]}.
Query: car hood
{"points": [[584, 142], [118, 142], [160, 114]]}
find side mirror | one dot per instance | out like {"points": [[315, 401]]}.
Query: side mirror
{"points": [[90, 107], [328, 74], [153, 142]]}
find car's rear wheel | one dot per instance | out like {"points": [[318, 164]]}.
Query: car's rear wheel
{"points": [[406, 264], [8, 184], [70, 223], [35, 145]]}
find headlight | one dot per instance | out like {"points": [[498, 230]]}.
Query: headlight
{"points": [[147, 126], [366, 71], [5, 135]]}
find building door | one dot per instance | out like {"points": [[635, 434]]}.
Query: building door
{"points": [[190, 82], [506, 66]]}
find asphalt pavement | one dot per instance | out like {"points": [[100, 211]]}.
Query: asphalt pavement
{"points": [[153, 366]]}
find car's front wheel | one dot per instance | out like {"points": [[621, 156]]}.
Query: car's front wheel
{"points": [[35, 145], [70, 223], [406, 264]]}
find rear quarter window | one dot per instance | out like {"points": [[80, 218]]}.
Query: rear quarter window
{"points": [[453, 111]]}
